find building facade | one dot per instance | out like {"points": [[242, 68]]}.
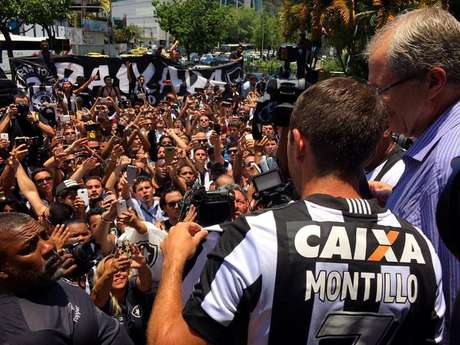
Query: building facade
{"points": [[140, 13]]}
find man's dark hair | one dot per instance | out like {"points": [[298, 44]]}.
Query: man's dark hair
{"points": [[343, 119], [20, 95], [59, 213], [93, 212], [163, 196], [39, 170], [141, 179]]}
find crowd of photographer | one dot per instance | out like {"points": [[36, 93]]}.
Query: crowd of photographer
{"points": [[109, 177]]}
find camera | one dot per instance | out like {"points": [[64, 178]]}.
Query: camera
{"points": [[276, 104], [84, 254], [271, 190], [23, 109], [213, 207]]}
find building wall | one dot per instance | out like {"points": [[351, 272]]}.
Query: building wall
{"points": [[140, 13]]}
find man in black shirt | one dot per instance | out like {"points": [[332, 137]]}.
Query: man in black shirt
{"points": [[31, 297], [20, 122]]}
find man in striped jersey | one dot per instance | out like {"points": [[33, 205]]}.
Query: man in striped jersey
{"points": [[329, 269]]}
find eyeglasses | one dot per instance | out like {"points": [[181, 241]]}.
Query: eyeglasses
{"points": [[43, 180], [69, 133], [249, 164], [381, 90], [232, 152]]}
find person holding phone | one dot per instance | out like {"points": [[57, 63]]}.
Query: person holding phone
{"points": [[123, 294]]}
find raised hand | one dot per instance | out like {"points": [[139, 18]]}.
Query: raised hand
{"points": [[60, 235]]}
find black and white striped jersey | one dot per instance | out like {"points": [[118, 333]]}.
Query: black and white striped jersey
{"points": [[324, 271]]}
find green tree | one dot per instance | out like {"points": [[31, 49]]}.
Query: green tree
{"points": [[242, 22], [268, 32], [45, 13], [10, 10], [199, 25], [126, 34]]}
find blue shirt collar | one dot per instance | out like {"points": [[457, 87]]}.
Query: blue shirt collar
{"points": [[428, 140]]}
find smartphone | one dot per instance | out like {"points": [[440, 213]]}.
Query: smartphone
{"points": [[120, 130], [131, 173], [4, 136], [21, 140], [248, 137], [91, 131], [216, 128], [83, 193], [121, 207], [65, 118], [170, 152]]}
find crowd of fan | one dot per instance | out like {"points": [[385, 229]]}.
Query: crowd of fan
{"points": [[49, 156]]}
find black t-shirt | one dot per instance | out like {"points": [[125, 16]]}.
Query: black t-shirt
{"points": [[62, 307], [21, 127], [135, 312]]}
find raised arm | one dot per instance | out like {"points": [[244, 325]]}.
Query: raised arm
{"points": [[29, 190]]}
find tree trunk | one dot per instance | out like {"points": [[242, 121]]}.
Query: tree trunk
{"points": [[50, 37], [9, 42]]}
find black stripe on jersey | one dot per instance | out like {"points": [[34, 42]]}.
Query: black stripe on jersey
{"points": [[360, 218], [291, 315], [359, 305], [215, 333]]}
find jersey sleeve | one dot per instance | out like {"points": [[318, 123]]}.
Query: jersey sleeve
{"points": [[229, 287]]}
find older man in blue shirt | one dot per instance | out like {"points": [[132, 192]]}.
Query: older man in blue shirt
{"points": [[414, 63]]}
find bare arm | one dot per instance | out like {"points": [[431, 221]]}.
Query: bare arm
{"points": [[29, 190], [180, 143], [85, 85], [5, 123]]}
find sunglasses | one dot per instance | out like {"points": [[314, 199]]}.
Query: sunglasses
{"points": [[42, 180]]}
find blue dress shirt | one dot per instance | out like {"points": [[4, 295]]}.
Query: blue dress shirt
{"points": [[416, 195]]}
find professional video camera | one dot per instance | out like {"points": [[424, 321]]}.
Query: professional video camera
{"points": [[212, 207], [281, 92], [271, 189]]}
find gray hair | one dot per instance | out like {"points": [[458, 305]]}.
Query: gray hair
{"points": [[420, 40]]}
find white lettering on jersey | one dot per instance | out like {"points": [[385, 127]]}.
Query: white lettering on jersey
{"points": [[301, 241], [339, 245], [412, 251], [336, 285]]}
